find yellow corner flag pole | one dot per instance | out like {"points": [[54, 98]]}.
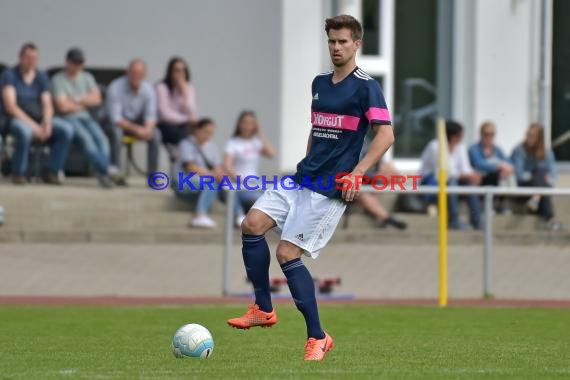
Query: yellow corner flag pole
{"points": [[442, 202]]}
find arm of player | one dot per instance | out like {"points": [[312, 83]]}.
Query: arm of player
{"points": [[309, 143], [380, 144]]}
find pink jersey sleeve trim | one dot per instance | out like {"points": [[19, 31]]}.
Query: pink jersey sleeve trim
{"points": [[375, 113]]}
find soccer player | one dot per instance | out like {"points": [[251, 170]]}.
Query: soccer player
{"points": [[346, 102]]}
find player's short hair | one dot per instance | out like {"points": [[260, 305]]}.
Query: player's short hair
{"points": [[344, 21], [452, 129], [28, 46]]}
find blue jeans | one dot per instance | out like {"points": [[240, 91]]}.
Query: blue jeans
{"points": [[473, 203], [59, 141], [92, 141], [453, 201], [205, 197]]}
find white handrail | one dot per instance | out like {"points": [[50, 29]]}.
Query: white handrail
{"points": [[476, 190]]}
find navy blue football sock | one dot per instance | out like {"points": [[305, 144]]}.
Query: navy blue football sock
{"points": [[302, 289], [256, 258]]}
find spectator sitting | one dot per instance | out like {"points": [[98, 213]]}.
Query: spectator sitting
{"points": [[535, 166], [176, 102], [74, 91], [369, 202], [199, 154], [489, 160], [459, 172], [28, 105], [131, 106], [242, 158]]}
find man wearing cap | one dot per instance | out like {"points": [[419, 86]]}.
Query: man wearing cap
{"points": [[74, 92]]}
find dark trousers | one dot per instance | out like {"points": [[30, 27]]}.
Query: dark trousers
{"points": [[545, 208], [152, 151], [492, 179], [173, 133], [473, 201]]}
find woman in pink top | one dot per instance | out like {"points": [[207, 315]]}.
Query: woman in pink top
{"points": [[176, 102]]}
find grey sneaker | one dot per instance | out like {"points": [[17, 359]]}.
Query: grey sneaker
{"points": [[555, 226], [459, 226], [532, 204], [105, 181], [119, 180]]}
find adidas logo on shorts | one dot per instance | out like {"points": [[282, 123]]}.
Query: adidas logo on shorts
{"points": [[300, 237]]}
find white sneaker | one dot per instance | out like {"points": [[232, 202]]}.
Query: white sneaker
{"points": [[239, 220], [113, 170], [203, 221]]}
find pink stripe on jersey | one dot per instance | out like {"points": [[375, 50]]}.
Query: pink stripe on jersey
{"points": [[375, 113], [331, 120]]}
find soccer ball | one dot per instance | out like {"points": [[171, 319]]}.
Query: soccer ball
{"points": [[192, 341]]}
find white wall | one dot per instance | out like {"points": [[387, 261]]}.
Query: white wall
{"points": [[495, 66], [301, 55], [233, 47]]}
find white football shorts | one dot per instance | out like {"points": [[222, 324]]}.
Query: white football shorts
{"points": [[303, 217]]}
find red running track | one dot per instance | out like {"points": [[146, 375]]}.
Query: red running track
{"points": [[148, 301]]}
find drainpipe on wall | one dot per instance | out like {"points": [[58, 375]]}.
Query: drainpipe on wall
{"points": [[545, 69]]}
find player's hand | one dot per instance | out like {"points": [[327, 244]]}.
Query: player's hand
{"points": [[350, 188]]}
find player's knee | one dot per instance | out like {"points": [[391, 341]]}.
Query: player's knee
{"points": [[287, 252], [249, 226], [253, 225]]}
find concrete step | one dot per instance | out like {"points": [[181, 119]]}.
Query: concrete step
{"points": [[85, 195], [83, 212], [217, 236], [73, 219], [50, 199]]}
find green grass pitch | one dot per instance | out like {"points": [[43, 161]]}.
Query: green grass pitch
{"points": [[371, 342]]}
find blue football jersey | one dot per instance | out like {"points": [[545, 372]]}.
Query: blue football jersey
{"points": [[341, 114]]}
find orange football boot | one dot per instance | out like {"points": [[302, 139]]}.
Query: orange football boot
{"points": [[254, 317], [315, 349]]}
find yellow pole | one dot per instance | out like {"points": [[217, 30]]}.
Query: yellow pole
{"points": [[442, 202]]}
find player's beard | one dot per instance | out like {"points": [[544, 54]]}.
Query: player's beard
{"points": [[343, 62]]}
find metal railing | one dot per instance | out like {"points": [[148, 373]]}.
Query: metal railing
{"points": [[489, 192]]}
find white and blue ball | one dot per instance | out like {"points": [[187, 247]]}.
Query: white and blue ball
{"points": [[192, 341]]}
